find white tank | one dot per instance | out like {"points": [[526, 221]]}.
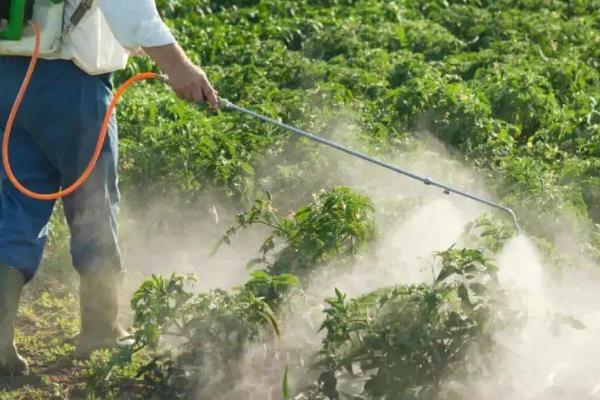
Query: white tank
{"points": [[49, 17]]}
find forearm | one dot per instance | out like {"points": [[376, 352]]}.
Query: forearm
{"points": [[135, 24], [168, 58]]}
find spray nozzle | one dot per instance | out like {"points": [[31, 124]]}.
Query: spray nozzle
{"points": [[225, 104]]}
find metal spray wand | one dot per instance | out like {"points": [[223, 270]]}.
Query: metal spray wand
{"points": [[228, 105]]}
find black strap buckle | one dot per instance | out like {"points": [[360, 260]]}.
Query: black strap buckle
{"points": [[80, 12]]}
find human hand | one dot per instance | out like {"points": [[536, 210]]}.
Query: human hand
{"points": [[190, 83]]}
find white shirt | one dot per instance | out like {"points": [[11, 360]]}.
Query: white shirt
{"points": [[110, 31], [135, 23]]}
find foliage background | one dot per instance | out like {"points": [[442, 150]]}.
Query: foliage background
{"points": [[510, 87]]}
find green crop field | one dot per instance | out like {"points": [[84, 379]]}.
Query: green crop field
{"points": [[351, 282]]}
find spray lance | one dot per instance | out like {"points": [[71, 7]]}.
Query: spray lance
{"points": [[229, 106]]}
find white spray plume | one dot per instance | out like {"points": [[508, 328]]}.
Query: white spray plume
{"points": [[547, 359], [403, 256], [554, 355], [543, 361]]}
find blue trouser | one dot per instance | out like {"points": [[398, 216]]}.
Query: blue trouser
{"points": [[51, 144]]}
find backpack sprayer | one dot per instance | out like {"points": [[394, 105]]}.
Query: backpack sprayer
{"points": [[19, 8], [18, 38]]}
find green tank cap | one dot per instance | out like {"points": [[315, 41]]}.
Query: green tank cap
{"points": [[16, 15], [16, 19]]}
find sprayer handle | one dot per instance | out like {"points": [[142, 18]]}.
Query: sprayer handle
{"points": [[225, 104]]}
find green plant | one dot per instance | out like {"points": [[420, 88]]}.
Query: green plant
{"points": [[406, 342], [337, 223]]}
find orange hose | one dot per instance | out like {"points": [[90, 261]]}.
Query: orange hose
{"points": [[101, 137]]}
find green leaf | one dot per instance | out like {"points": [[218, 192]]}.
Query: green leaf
{"points": [[272, 320], [285, 385], [446, 272]]}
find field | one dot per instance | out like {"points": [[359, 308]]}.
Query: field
{"points": [[264, 266]]}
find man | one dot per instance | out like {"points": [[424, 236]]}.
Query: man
{"points": [[51, 143]]}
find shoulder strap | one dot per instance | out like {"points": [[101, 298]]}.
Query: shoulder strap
{"points": [[80, 12]]}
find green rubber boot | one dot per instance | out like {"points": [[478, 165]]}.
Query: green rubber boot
{"points": [[11, 285], [100, 328]]}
